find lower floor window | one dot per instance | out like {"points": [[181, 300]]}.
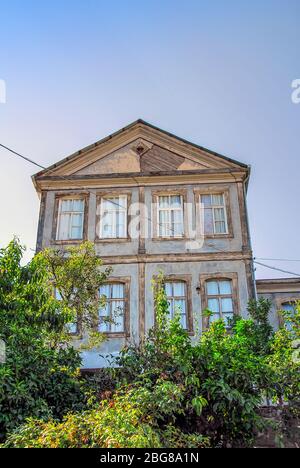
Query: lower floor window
{"points": [[111, 315], [219, 300], [176, 297], [289, 307]]}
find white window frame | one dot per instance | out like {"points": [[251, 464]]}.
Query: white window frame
{"points": [[108, 302], [169, 209], [212, 208], [173, 298], [70, 214], [219, 296], [114, 212]]}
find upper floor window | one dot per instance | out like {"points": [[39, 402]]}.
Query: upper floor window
{"points": [[112, 314], [70, 219], [177, 300], [215, 216], [170, 216], [113, 217], [220, 300]]}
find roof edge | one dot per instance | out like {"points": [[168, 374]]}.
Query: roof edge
{"points": [[127, 127]]}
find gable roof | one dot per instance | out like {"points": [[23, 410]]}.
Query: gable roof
{"points": [[165, 145]]}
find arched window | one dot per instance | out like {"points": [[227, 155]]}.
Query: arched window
{"points": [[176, 292], [220, 300], [289, 307], [112, 314]]}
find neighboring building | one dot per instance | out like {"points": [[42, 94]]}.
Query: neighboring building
{"points": [[282, 293], [192, 225]]}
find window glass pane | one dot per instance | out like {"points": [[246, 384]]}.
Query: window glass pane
{"points": [[288, 307], [122, 202], [175, 201], [118, 290], [164, 230], [214, 318], [121, 224], [163, 202], [227, 305], [76, 233], [183, 321], [111, 204], [66, 205], [103, 325], [63, 230], [225, 287], [213, 305], [179, 306], [217, 199], [212, 288], [208, 221], [219, 214], [78, 205], [71, 327], [220, 227], [206, 200], [228, 319], [118, 324], [105, 290], [168, 289], [179, 289]]}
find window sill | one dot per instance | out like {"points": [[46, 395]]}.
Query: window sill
{"points": [[68, 241], [115, 335], [112, 240], [218, 236], [159, 239]]}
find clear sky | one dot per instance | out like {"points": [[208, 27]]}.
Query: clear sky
{"points": [[217, 73]]}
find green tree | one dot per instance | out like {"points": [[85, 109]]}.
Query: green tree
{"points": [[39, 377]]}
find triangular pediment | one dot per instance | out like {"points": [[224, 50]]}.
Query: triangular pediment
{"points": [[140, 148]]}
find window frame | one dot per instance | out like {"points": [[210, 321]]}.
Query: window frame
{"points": [[59, 197], [106, 195], [126, 283], [156, 194], [280, 301], [78, 332], [214, 190], [187, 280], [204, 278]]}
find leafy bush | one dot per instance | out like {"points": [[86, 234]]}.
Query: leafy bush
{"points": [[122, 421], [222, 377], [40, 375]]}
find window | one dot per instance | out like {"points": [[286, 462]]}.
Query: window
{"points": [[215, 216], [113, 217], [72, 326], [170, 216], [219, 300], [289, 307], [176, 296], [112, 314], [70, 219]]}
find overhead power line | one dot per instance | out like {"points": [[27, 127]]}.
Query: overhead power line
{"points": [[277, 269], [21, 156], [277, 259]]}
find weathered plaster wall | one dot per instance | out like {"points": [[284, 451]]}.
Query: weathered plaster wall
{"points": [[277, 299], [92, 359]]}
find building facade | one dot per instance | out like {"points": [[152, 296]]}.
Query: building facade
{"points": [[152, 202]]}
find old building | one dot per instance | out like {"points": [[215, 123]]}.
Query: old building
{"points": [[151, 202]]}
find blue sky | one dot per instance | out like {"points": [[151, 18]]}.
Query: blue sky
{"points": [[214, 72]]}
